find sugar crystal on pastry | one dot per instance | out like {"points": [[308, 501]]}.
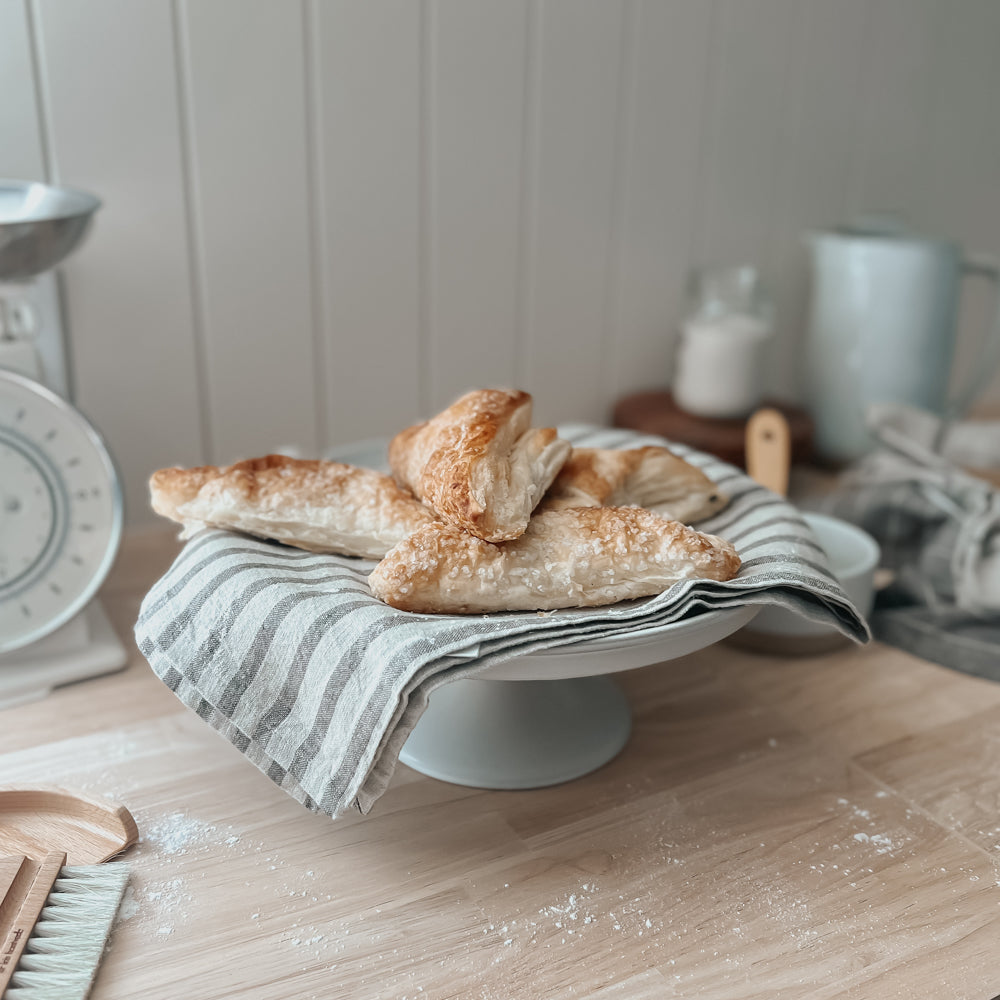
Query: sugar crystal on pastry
{"points": [[571, 557], [311, 504], [479, 463]]}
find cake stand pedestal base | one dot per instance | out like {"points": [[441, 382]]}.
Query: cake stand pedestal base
{"points": [[519, 734]]}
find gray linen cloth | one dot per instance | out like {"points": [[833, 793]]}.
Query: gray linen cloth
{"points": [[288, 655], [939, 530]]}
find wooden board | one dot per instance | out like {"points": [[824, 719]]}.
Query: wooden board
{"points": [[775, 828], [655, 412]]}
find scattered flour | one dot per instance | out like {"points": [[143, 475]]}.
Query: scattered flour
{"points": [[575, 908], [175, 833], [883, 844]]}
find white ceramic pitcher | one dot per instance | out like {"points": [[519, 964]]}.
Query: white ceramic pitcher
{"points": [[882, 329]]}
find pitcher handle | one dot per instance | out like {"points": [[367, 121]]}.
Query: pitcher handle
{"points": [[981, 266]]}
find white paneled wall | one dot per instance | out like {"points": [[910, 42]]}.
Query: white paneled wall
{"points": [[474, 154], [247, 175], [325, 219], [371, 203]]}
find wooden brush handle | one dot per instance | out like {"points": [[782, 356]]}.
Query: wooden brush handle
{"points": [[769, 449], [26, 885]]}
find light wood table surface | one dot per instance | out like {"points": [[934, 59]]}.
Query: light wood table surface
{"points": [[775, 828]]}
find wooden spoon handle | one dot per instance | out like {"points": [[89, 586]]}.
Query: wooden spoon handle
{"points": [[769, 449]]}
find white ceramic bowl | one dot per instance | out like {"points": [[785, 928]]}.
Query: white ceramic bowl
{"points": [[853, 556]]}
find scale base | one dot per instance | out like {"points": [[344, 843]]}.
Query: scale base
{"points": [[87, 646], [519, 734]]}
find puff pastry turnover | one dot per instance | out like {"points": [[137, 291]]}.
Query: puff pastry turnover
{"points": [[479, 464], [572, 557], [314, 505], [650, 477]]}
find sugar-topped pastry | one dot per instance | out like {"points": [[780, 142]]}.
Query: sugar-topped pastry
{"points": [[650, 477], [311, 504], [479, 464], [571, 557]]}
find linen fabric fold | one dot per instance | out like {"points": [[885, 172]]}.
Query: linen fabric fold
{"points": [[938, 527], [288, 655]]}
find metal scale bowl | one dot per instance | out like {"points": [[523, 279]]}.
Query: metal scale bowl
{"points": [[40, 226], [60, 498]]}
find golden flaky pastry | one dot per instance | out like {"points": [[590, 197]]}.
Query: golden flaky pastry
{"points": [[650, 477], [479, 464], [573, 557], [313, 505]]}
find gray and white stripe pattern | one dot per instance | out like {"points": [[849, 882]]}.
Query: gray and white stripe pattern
{"points": [[288, 655], [937, 526]]}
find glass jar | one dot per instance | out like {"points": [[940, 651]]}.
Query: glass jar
{"points": [[719, 370]]}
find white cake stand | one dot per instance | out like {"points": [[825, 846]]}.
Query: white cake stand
{"points": [[548, 717], [544, 718]]}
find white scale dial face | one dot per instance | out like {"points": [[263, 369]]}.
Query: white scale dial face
{"points": [[60, 511]]}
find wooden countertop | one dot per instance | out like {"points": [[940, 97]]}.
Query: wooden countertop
{"points": [[822, 828]]}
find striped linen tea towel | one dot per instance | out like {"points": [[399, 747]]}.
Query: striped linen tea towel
{"points": [[287, 654]]}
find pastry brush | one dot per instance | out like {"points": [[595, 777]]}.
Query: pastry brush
{"points": [[54, 923]]}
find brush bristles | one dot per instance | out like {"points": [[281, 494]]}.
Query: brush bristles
{"points": [[65, 948]]}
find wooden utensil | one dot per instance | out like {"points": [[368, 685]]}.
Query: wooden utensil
{"points": [[39, 821], [769, 449], [52, 844]]}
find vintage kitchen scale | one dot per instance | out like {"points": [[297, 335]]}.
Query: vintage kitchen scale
{"points": [[60, 497]]}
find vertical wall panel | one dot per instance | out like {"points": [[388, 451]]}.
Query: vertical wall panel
{"points": [[572, 198], [962, 177], [369, 142], [750, 55], [112, 88], [661, 151], [890, 145], [476, 112], [21, 149], [819, 115], [244, 97]]}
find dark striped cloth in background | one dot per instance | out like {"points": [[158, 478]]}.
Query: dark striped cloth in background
{"points": [[288, 655]]}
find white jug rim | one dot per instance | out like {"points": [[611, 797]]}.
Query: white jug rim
{"points": [[846, 235]]}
